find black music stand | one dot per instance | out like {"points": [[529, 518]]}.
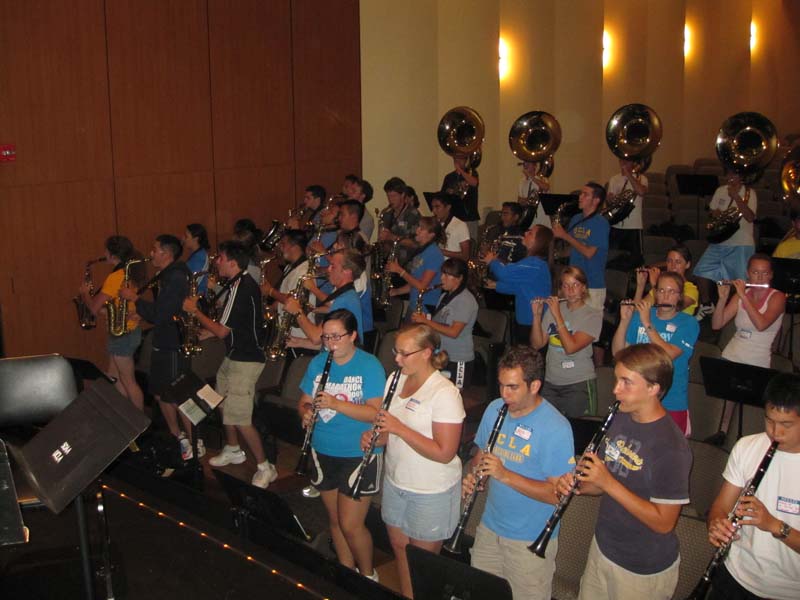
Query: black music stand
{"points": [[436, 577], [786, 278], [458, 211], [736, 382], [700, 186]]}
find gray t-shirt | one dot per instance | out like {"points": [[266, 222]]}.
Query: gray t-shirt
{"points": [[464, 309], [563, 368], [653, 461]]}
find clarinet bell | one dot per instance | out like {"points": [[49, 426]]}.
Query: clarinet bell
{"points": [[539, 547]]}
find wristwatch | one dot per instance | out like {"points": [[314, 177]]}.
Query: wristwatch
{"points": [[783, 532]]}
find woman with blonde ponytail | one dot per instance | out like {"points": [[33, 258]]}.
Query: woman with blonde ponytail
{"points": [[421, 431]]}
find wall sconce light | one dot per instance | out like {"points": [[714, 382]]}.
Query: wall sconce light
{"points": [[503, 67], [606, 49], [753, 36], [687, 41]]}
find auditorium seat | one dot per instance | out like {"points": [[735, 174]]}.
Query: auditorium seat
{"points": [[283, 421], [704, 412], [706, 477], [753, 422], [657, 244], [385, 354], [656, 199], [605, 389], [574, 538], [696, 247], [672, 182], [206, 364], [701, 349], [656, 177], [696, 552], [655, 216]]}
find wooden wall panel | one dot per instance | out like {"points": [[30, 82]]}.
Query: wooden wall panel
{"points": [[261, 194], [159, 81], [56, 229], [54, 91], [251, 82], [150, 205], [327, 89]]}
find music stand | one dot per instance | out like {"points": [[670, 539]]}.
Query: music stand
{"points": [[251, 503], [458, 211], [736, 382], [699, 186], [551, 202], [786, 278], [436, 577]]}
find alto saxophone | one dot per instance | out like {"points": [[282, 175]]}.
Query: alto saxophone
{"points": [[277, 349], [189, 325], [267, 308], [117, 308], [86, 318]]}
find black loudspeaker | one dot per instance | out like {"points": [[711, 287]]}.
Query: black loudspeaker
{"points": [[79, 443], [12, 530]]}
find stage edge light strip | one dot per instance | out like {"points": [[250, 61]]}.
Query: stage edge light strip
{"points": [[223, 545]]}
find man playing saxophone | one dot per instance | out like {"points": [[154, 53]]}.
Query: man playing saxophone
{"points": [[121, 348], [534, 448], [241, 328], [166, 361], [764, 556]]}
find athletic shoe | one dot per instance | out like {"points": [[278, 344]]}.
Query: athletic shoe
{"points": [[374, 575], [228, 456], [310, 492], [201, 448], [264, 475], [186, 447]]}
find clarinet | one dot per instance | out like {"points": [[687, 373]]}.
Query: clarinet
{"points": [[305, 453], [355, 489], [453, 545], [540, 545], [701, 589]]}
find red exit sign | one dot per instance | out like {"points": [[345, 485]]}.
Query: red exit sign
{"points": [[8, 152]]}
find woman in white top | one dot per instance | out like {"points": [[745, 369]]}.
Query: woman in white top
{"points": [[421, 431], [456, 231], [757, 313]]}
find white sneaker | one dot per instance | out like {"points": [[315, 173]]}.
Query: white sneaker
{"points": [[228, 456], [186, 447], [310, 492], [264, 476], [374, 575], [201, 448]]}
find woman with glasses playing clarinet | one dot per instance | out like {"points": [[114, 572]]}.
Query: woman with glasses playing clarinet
{"points": [[569, 328], [421, 431], [665, 326], [453, 319], [757, 310], [346, 408]]}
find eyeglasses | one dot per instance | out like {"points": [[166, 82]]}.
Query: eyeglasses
{"points": [[571, 286], [667, 291], [402, 354], [333, 337]]}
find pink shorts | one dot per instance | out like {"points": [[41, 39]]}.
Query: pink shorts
{"points": [[681, 418]]}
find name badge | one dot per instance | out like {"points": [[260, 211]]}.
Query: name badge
{"points": [[567, 364], [744, 334], [671, 328], [790, 506], [522, 432], [612, 452], [326, 414], [412, 404]]}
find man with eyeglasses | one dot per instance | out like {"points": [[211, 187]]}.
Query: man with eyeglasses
{"points": [[672, 330]]}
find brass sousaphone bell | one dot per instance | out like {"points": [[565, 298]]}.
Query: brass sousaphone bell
{"points": [[632, 133], [460, 133], [534, 138], [746, 144], [790, 175]]}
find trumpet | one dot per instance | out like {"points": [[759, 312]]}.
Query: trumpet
{"points": [[540, 545], [747, 285], [702, 586], [453, 545]]}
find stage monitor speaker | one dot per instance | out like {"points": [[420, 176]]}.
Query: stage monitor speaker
{"points": [[12, 530], [79, 443], [34, 389]]}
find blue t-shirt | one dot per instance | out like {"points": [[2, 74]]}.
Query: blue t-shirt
{"points": [[351, 302], [681, 331], [593, 231], [356, 381], [537, 446], [365, 298], [430, 259], [197, 262], [526, 280]]}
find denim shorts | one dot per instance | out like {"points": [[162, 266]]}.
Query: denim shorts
{"points": [[125, 345], [424, 517]]}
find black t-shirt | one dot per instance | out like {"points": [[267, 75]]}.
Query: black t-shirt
{"points": [[455, 184], [653, 461], [243, 316]]}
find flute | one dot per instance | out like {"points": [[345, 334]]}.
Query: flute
{"points": [[302, 464], [355, 489], [628, 302], [702, 586], [453, 545], [540, 545], [544, 299], [747, 285]]}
